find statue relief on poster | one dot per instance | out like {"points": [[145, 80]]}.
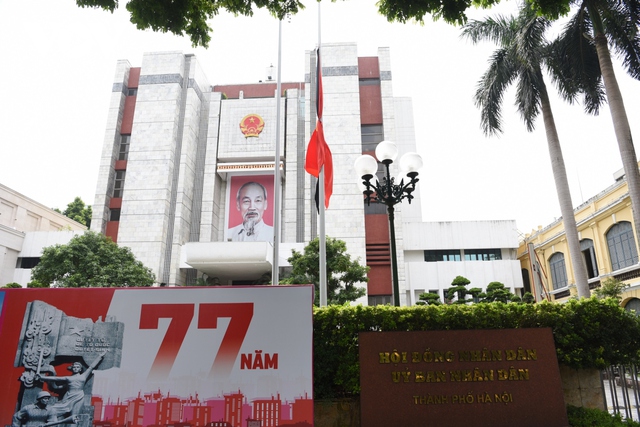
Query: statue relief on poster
{"points": [[49, 341]]}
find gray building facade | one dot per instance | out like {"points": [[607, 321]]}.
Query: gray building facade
{"points": [[178, 152], [174, 145]]}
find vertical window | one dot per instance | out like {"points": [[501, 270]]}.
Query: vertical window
{"points": [[589, 254], [114, 215], [132, 91], [622, 246], [558, 270], [123, 152], [376, 207], [526, 281], [371, 135], [118, 184], [379, 299]]}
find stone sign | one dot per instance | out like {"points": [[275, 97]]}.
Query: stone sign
{"points": [[489, 378]]}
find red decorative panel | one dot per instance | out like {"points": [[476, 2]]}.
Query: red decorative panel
{"points": [[377, 228], [112, 230], [115, 203], [370, 105], [121, 165], [127, 115], [368, 67], [134, 77], [379, 280]]}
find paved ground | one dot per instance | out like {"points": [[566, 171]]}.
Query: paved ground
{"points": [[625, 399]]}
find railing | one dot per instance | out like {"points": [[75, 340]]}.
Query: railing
{"points": [[621, 386]]}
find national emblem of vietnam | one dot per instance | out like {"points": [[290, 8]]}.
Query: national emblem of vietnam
{"points": [[251, 125]]}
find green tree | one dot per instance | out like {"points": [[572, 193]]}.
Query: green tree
{"points": [[78, 211], [428, 298], [528, 298], [189, 17], [611, 288], [496, 291], [476, 294], [588, 34], [458, 289], [90, 260], [522, 53], [343, 273]]}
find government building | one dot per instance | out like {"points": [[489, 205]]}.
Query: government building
{"points": [[181, 152], [187, 178]]}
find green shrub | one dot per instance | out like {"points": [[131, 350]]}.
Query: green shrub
{"points": [[585, 417], [588, 333], [13, 285]]}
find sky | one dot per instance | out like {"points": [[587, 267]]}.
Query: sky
{"points": [[58, 62]]}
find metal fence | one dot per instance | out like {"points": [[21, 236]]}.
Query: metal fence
{"points": [[621, 386]]}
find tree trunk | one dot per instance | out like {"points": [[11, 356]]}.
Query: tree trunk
{"points": [[620, 120], [578, 265]]}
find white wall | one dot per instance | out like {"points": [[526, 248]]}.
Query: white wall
{"points": [[461, 235], [423, 276]]}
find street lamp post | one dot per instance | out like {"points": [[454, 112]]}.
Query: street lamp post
{"points": [[388, 192]]}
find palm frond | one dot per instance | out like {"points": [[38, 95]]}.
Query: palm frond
{"points": [[528, 96], [573, 63], [490, 91], [620, 20], [521, 42], [497, 30]]}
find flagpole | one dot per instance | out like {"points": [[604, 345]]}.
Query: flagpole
{"points": [[275, 272], [323, 240]]}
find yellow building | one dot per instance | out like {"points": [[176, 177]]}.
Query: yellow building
{"points": [[607, 242]]}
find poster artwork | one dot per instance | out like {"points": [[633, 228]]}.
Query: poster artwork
{"points": [[188, 357], [49, 336], [250, 209]]}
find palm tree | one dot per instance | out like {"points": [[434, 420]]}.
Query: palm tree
{"points": [[522, 53], [596, 24]]}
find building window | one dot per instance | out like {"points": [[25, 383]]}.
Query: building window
{"points": [[371, 136], [374, 208], [442, 255], [526, 282], [482, 254], [633, 305], [123, 152], [379, 299], [589, 254], [622, 246], [370, 82], [132, 91], [27, 262], [558, 270], [118, 184], [114, 215]]}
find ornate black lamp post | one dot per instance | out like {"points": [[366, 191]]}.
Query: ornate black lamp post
{"points": [[388, 192]]}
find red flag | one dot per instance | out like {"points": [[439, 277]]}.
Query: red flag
{"points": [[318, 152]]}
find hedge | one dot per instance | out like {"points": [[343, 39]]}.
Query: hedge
{"points": [[588, 333]]}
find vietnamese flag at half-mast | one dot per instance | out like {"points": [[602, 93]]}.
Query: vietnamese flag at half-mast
{"points": [[318, 152]]}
